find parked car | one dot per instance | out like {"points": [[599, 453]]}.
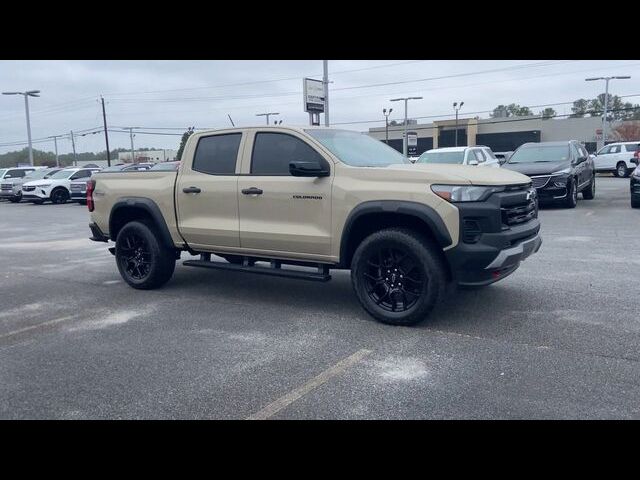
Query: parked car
{"points": [[165, 166], [11, 180], [56, 188], [78, 189], [558, 170], [322, 198], [478, 155], [617, 158], [635, 187], [503, 156], [128, 167]]}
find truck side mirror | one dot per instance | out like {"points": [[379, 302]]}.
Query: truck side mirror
{"points": [[472, 162], [636, 161], [308, 169]]}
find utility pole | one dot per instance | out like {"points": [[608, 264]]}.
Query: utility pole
{"points": [[457, 107], [386, 122], [55, 143], [106, 135], [73, 144], [606, 101], [26, 95], [406, 99], [268, 114], [325, 81], [133, 160]]}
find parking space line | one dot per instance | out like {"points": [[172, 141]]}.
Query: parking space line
{"points": [[33, 327], [315, 382]]}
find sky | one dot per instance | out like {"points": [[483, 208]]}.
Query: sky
{"points": [[163, 98]]}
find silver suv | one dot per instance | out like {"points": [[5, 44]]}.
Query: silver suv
{"points": [[11, 180]]}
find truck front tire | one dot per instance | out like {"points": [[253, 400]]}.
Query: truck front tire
{"points": [[398, 276], [143, 261]]}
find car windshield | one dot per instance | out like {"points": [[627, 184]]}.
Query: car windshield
{"points": [[357, 149], [441, 157], [62, 174], [37, 175], [115, 168], [540, 153]]}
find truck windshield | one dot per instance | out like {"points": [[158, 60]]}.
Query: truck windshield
{"points": [[441, 157], [551, 153], [357, 149], [2, 172]]}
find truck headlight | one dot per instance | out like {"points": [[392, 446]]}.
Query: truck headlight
{"points": [[464, 193]]}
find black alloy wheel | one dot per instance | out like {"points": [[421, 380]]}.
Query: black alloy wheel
{"points": [[135, 258], [393, 279]]}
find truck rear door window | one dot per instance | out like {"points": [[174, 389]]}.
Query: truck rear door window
{"points": [[218, 154], [272, 153]]}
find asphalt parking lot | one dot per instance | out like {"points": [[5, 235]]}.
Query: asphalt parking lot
{"points": [[560, 338]]}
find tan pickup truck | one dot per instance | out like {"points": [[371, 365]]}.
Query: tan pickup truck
{"points": [[299, 202]]}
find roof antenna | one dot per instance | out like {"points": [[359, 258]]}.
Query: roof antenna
{"points": [[230, 120]]}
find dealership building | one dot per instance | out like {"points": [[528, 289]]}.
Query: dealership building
{"points": [[500, 134]]}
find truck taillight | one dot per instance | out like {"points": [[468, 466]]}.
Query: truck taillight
{"points": [[90, 186]]}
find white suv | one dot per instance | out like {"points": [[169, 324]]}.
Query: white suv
{"points": [[55, 188], [616, 158], [478, 155]]}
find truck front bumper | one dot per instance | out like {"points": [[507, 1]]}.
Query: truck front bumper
{"points": [[484, 263], [495, 237]]}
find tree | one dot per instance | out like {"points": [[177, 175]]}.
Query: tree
{"points": [[627, 132], [579, 108], [511, 110], [548, 113], [183, 141]]}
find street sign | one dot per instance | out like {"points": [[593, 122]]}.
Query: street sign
{"points": [[313, 95], [412, 143]]}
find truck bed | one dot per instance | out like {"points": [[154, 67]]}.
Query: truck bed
{"points": [[113, 187]]}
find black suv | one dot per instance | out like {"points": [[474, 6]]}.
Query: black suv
{"points": [[558, 171]]}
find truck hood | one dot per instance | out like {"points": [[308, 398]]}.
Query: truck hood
{"points": [[459, 174]]}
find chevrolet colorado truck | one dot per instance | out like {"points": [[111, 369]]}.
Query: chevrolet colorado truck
{"points": [[299, 202]]}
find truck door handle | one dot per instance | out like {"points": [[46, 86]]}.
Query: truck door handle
{"points": [[252, 191], [191, 190]]}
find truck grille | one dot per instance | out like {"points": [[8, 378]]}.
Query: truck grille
{"points": [[28, 189], [6, 187], [520, 213], [539, 182]]}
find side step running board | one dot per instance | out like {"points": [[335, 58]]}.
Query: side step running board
{"points": [[322, 274]]}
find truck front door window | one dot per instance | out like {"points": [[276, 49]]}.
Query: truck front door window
{"points": [[272, 153]]}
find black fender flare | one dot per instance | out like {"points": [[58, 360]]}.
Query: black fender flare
{"points": [[419, 210], [148, 206]]}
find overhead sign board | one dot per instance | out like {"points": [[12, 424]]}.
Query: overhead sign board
{"points": [[313, 91]]}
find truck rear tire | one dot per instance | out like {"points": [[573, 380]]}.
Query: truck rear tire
{"points": [[398, 276], [143, 261]]}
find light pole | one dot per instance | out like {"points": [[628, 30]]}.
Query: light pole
{"points": [[386, 123], [457, 107], [406, 99], [27, 94], [606, 101], [268, 114]]}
